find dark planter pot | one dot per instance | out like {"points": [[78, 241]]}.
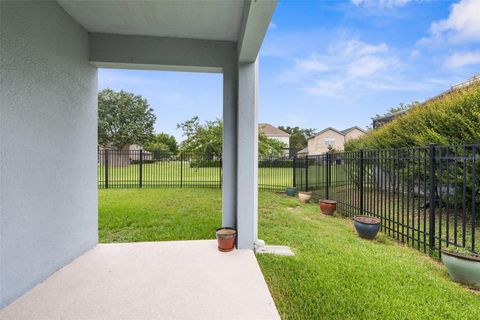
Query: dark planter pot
{"points": [[462, 268], [328, 207], [367, 227], [226, 239], [291, 191]]}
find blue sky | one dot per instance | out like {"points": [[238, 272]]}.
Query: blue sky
{"points": [[331, 63]]}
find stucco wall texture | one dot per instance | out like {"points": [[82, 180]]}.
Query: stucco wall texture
{"points": [[48, 207]]}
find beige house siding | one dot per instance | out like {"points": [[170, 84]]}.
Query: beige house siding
{"points": [[317, 145], [353, 134]]}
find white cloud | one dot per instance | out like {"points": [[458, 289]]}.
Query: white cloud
{"points": [[414, 53], [359, 48], [332, 87], [272, 25], [351, 63], [315, 63], [368, 65], [380, 3], [462, 25], [461, 59]]}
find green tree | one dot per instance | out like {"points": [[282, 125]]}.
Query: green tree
{"points": [[207, 138], [202, 138], [162, 142], [401, 107], [298, 136], [269, 147], [124, 118]]}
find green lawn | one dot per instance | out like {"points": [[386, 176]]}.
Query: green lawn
{"points": [[174, 173], [334, 275], [129, 215]]}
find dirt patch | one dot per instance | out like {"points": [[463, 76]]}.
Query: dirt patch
{"points": [[281, 194], [367, 219], [474, 291], [294, 209]]}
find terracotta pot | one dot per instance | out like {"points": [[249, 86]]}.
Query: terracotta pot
{"points": [[367, 227], [328, 207], [226, 239], [304, 196]]}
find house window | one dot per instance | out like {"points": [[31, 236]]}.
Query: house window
{"points": [[329, 142]]}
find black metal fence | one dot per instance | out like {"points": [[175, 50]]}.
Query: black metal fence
{"points": [[144, 169], [425, 197]]}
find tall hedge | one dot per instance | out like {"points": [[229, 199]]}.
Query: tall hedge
{"points": [[451, 119]]}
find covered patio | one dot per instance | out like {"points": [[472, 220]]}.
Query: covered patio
{"points": [[50, 52], [151, 280]]}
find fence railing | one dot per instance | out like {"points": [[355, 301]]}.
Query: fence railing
{"points": [[144, 169], [426, 197]]}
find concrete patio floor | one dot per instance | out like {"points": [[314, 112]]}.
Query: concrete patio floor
{"points": [[151, 280]]}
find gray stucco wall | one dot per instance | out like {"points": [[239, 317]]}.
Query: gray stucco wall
{"points": [[48, 134]]}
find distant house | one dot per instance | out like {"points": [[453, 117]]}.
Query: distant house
{"points": [[303, 152], [124, 156], [330, 138], [274, 133]]}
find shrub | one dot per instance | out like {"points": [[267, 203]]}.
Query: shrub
{"points": [[451, 119], [137, 161], [205, 163], [275, 163]]}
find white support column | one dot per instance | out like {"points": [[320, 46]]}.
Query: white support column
{"points": [[229, 156], [247, 155]]}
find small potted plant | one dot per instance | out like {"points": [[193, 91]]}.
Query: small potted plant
{"points": [[328, 207], [226, 239], [367, 227], [291, 191], [304, 196], [462, 265]]}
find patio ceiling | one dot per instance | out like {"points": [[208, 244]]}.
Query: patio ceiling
{"points": [[243, 22], [207, 20]]}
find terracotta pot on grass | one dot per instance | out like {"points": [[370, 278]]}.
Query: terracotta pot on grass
{"points": [[328, 207], [304, 196], [226, 239]]}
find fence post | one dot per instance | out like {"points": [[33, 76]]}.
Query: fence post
{"points": [[294, 171], [327, 184], [433, 186], [181, 170], [141, 169], [105, 156], [306, 173], [220, 172], [361, 179]]}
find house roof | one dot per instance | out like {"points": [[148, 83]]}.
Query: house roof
{"points": [[352, 128], [271, 131], [304, 150], [341, 132], [325, 130]]}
